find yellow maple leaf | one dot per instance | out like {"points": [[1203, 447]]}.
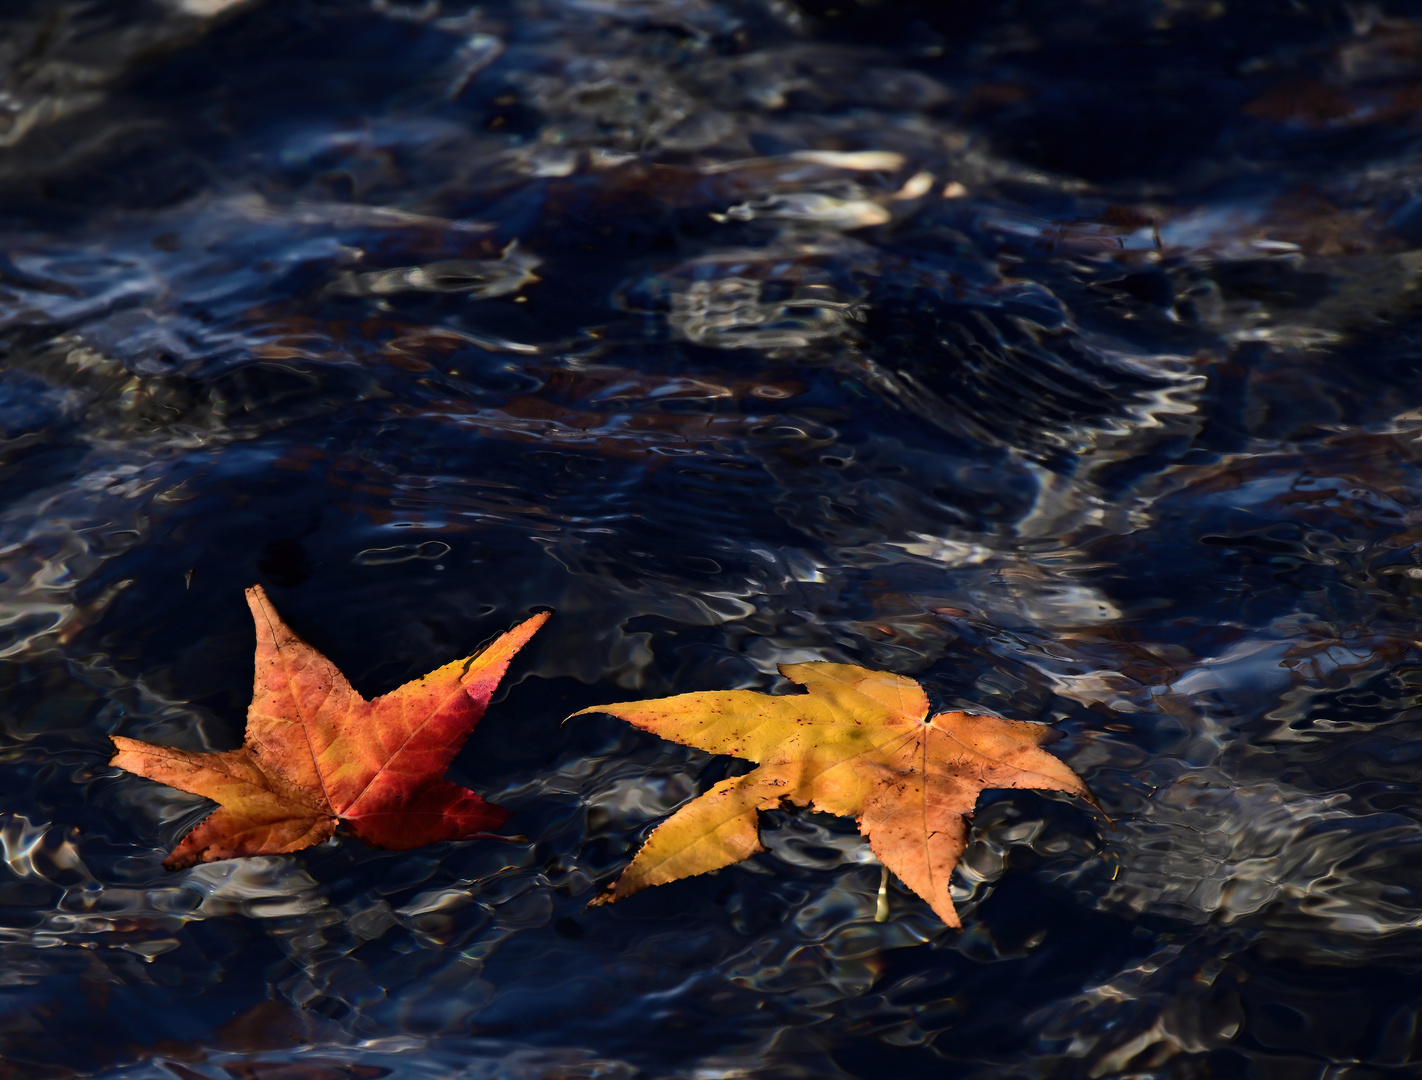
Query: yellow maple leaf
{"points": [[860, 743]]}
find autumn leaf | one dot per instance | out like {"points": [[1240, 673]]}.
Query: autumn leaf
{"points": [[318, 754], [859, 743]]}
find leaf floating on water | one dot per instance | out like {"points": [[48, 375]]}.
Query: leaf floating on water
{"points": [[318, 754], [860, 744]]}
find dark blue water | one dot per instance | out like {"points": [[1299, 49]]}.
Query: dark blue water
{"points": [[1066, 356]]}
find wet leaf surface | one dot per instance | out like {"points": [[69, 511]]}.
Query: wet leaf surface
{"points": [[318, 755], [858, 743]]}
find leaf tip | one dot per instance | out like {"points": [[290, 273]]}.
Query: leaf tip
{"points": [[185, 856], [257, 597], [538, 618], [503, 647], [123, 745], [602, 899]]}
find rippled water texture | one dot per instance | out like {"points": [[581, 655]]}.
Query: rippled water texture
{"points": [[1064, 355]]}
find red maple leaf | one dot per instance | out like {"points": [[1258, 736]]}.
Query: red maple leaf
{"points": [[318, 754]]}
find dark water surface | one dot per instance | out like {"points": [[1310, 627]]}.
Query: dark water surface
{"points": [[1063, 354]]}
